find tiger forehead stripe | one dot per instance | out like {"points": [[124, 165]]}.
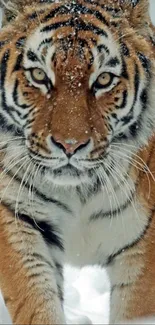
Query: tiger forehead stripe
{"points": [[75, 9], [78, 24], [75, 15]]}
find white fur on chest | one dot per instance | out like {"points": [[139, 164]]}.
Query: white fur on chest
{"points": [[94, 241], [88, 241]]}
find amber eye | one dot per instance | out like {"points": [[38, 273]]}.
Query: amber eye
{"points": [[104, 80], [38, 75]]}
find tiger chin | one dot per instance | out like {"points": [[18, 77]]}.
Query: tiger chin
{"points": [[77, 153]]}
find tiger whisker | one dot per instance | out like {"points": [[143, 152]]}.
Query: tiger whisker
{"points": [[144, 163], [20, 187], [10, 166], [5, 142], [118, 205], [110, 185], [3, 194], [105, 185], [127, 185], [135, 165], [134, 162], [114, 194], [31, 189]]}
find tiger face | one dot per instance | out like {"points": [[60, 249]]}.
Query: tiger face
{"points": [[76, 85]]}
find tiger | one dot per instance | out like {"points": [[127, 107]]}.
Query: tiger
{"points": [[77, 153]]}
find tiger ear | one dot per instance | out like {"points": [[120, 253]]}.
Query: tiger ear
{"points": [[11, 8], [137, 12]]}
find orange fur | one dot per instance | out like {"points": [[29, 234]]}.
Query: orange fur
{"points": [[26, 303], [78, 116]]}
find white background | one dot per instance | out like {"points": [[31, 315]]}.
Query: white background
{"points": [[152, 2]]}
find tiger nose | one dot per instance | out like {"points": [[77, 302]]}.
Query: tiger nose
{"points": [[70, 146]]}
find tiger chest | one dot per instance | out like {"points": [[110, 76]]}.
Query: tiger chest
{"points": [[92, 236]]}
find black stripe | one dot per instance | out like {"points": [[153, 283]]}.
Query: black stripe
{"points": [[20, 42], [3, 67], [127, 119], [59, 204], [42, 196], [3, 43], [38, 155], [18, 63], [32, 56], [115, 24], [136, 89], [144, 98], [81, 25], [95, 13], [49, 28], [113, 62], [111, 214], [145, 62], [4, 126], [103, 47], [59, 268], [124, 101], [125, 50], [48, 231], [78, 24], [134, 128], [75, 9], [53, 13], [112, 9], [15, 97], [3, 72], [25, 116], [60, 293], [124, 69], [35, 14], [83, 43], [39, 258], [45, 42], [136, 82]]}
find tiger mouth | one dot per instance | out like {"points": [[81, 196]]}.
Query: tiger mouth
{"points": [[67, 170]]}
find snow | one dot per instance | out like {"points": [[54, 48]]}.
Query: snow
{"points": [[86, 296]]}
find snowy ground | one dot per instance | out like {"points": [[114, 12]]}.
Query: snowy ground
{"points": [[86, 296]]}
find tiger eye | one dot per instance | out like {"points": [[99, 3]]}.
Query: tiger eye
{"points": [[38, 75], [104, 79]]}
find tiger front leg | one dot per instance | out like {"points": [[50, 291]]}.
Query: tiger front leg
{"points": [[132, 275], [30, 279]]}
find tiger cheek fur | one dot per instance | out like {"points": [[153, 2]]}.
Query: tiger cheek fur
{"points": [[77, 156]]}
